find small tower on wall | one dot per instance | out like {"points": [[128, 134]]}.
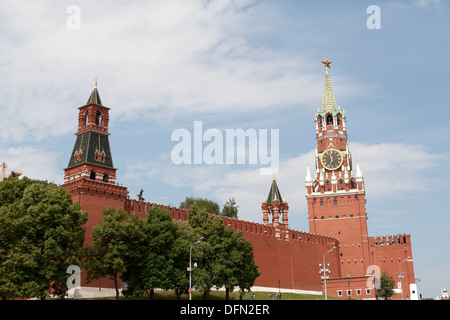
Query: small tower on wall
{"points": [[277, 208]]}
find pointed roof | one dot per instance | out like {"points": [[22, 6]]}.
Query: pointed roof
{"points": [[94, 98], [274, 193], [328, 101]]}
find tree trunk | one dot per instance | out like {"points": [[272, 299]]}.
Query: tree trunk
{"points": [[116, 286]]}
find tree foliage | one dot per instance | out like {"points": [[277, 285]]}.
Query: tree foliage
{"points": [[117, 241], [41, 234], [230, 209], [386, 286], [162, 252], [227, 258], [210, 206], [159, 254]]}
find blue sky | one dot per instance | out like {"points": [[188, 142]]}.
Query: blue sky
{"points": [[161, 65]]}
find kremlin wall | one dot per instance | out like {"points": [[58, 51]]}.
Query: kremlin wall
{"points": [[287, 259]]}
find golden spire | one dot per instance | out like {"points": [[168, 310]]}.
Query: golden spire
{"points": [[95, 86], [329, 101]]}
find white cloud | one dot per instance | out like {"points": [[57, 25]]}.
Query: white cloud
{"points": [[35, 163], [395, 168], [427, 3], [387, 168], [169, 58]]}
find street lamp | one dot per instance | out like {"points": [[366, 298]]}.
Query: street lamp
{"points": [[325, 271], [401, 275], [190, 269]]}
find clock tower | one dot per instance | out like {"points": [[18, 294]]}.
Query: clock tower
{"points": [[335, 193]]}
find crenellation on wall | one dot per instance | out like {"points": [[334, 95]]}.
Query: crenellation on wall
{"points": [[141, 208], [399, 239]]}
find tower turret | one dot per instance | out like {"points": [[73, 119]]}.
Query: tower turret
{"points": [[91, 156], [275, 206]]}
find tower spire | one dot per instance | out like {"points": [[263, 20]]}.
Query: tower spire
{"points": [[274, 193], [94, 98], [329, 101]]}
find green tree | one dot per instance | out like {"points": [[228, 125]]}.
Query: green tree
{"points": [[210, 206], [158, 268], [386, 286], [117, 245], [230, 209], [203, 255], [185, 237], [225, 258], [41, 234]]}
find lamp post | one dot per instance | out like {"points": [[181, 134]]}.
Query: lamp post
{"points": [[400, 275], [190, 265], [325, 271]]}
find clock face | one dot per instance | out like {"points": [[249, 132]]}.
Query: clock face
{"points": [[332, 159]]}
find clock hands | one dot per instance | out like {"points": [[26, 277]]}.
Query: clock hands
{"points": [[331, 159]]}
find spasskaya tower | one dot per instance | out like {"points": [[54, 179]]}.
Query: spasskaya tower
{"points": [[335, 193]]}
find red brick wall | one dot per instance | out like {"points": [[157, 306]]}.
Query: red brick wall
{"points": [[295, 262], [350, 288], [388, 253]]}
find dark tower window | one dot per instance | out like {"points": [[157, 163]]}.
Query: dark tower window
{"points": [[92, 176], [86, 118], [105, 177], [98, 118], [329, 120]]}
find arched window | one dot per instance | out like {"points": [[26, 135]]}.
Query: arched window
{"points": [[86, 118], [319, 122], [316, 186], [329, 120], [327, 185], [92, 175], [341, 184], [105, 177], [98, 118]]}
